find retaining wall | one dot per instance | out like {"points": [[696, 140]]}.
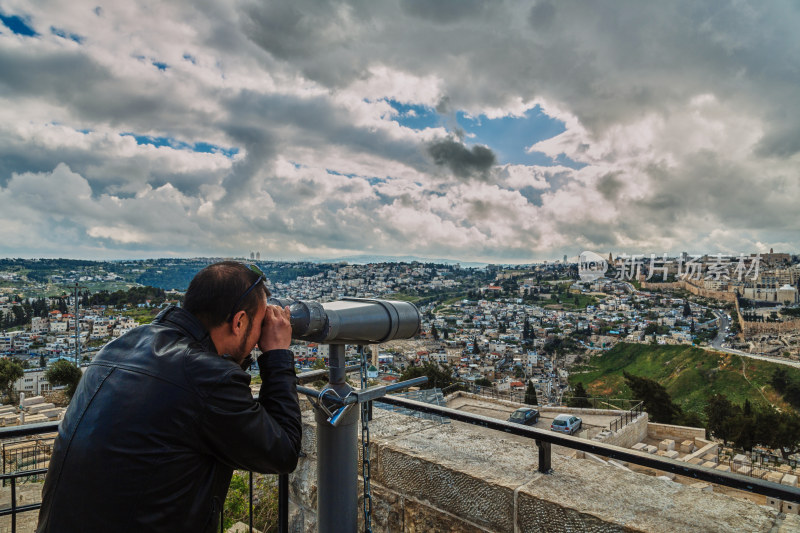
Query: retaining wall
{"points": [[455, 477], [668, 431]]}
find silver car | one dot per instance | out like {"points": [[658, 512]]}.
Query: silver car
{"points": [[569, 424]]}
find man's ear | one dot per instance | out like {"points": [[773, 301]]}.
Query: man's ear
{"points": [[239, 322]]}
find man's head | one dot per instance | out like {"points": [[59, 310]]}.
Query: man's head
{"points": [[229, 300]]}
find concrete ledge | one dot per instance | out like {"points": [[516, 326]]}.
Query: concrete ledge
{"points": [[456, 477]]}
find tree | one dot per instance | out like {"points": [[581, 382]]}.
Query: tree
{"points": [[687, 310], [483, 382], [780, 379], [657, 401], [778, 430], [434, 332], [10, 371], [64, 373], [747, 410], [724, 418], [437, 377], [530, 394], [579, 397], [746, 435]]}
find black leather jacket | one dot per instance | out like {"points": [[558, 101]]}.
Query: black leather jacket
{"points": [[156, 427]]}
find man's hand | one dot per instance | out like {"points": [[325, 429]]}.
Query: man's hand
{"points": [[276, 329]]}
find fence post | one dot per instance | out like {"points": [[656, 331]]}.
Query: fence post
{"points": [[251, 501], [544, 456], [13, 505], [283, 503]]}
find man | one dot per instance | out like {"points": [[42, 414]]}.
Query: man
{"points": [[164, 414]]}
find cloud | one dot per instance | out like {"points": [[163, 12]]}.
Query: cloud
{"points": [[680, 127], [445, 11], [462, 161]]}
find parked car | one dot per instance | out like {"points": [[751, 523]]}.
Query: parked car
{"points": [[524, 415], [569, 424]]}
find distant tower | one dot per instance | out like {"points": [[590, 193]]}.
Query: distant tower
{"points": [[252, 255], [258, 256], [610, 259], [565, 259], [770, 251]]}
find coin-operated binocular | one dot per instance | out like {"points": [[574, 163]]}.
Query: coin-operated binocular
{"points": [[346, 321], [351, 320]]}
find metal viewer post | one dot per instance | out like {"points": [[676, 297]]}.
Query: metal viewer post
{"points": [[348, 321]]}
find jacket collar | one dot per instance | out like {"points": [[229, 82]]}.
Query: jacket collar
{"points": [[182, 319]]}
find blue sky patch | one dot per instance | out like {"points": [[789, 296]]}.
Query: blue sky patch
{"points": [[202, 147], [371, 181], [190, 58], [18, 25], [565, 161], [416, 117], [66, 35], [335, 173], [508, 137], [160, 66]]}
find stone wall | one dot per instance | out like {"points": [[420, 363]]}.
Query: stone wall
{"points": [[453, 477], [542, 409], [694, 289], [630, 434], [668, 431]]}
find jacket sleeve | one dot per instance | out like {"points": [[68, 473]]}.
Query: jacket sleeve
{"points": [[261, 435]]}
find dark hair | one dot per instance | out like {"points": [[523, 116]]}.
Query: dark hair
{"points": [[216, 288]]}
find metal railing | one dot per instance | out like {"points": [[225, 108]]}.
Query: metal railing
{"points": [[18, 458], [626, 418], [544, 440], [492, 392], [757, 465]]}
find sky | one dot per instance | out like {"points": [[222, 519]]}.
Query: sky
{"points": [[495, 131]]}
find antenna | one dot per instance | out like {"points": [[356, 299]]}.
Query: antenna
{"points": [[77, 325]]}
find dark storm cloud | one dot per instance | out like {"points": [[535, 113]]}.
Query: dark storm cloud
{"points": [[610, 186], [462, 161], [541, 15], [445, 11]]}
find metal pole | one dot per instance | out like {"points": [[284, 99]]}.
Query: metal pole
{"points": [[283, 503], [77, 327], [337, 458], [14, 505], [251, 502], [77, 330]]}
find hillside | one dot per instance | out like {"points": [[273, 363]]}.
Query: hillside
{"points": [[691, 375]]}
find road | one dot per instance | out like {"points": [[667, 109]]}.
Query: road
{"points": [[716, 344]]}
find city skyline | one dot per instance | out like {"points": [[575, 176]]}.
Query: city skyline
{"points": [[463, 130]]}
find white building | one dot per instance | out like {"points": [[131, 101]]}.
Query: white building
{"points": [[59, 326], [39, 325], [33, 383]]}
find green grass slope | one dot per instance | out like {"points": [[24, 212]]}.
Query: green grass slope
{"points": [[691, 375]]}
